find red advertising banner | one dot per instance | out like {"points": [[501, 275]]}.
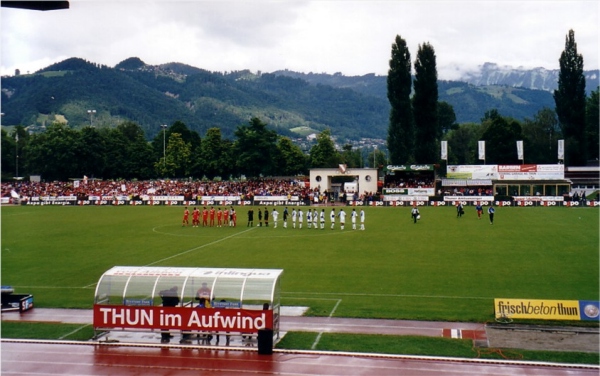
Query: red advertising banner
{"points": [[182, 318], [517, 168]]}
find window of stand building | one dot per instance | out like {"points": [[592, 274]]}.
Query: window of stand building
{"points": [[502, 190], [513, 190], [563, 189]]}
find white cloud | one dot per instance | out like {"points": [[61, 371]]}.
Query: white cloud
{"points": [[352, 37]]}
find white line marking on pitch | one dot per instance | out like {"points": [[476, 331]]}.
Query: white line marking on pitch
{"points": [[200, 247], [314, 345], [74, 331], [389, 295], [334, 308]]}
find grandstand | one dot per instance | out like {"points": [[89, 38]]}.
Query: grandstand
{"points": [[584, 179]]}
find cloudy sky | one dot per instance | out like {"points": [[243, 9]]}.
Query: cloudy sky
{"points": [[321, 36]]}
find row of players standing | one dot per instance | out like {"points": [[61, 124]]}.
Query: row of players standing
{"points": [[314, 219], [227, 217]]}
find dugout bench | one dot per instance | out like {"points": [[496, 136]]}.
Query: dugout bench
{"points": [[167, 300]]}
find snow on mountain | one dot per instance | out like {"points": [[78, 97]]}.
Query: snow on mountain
{"points": [[536, 78]]}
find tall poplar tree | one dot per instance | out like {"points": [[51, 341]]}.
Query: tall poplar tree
{"points": [[425, 100], [570, 103], [592, 122], [401, 128]]}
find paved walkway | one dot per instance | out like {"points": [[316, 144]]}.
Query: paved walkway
{"points": [[149, 357], [292, 321], [495, 336]]}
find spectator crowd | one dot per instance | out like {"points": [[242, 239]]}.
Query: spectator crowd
{"points": [[246, 190]]}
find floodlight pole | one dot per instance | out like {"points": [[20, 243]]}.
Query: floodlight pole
{"points": [[374, 152], [17, 154], [91, 113]]}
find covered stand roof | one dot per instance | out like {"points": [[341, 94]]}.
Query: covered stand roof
{"points": [[466, 182], [141, 285], [36, 5]]}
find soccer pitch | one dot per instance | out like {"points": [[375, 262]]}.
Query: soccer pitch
{"points": [[442, 268]]}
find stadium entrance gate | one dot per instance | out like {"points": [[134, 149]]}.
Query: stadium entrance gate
{"points": [[365, 178]]}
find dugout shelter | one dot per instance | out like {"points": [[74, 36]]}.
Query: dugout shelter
{"points": [[241, 300]]}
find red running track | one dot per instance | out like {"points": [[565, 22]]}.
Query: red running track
{"points": [[20, 357]]}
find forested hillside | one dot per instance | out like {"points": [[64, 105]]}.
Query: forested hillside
{"points": [[470, 102], [155, 95], [294, 104]]}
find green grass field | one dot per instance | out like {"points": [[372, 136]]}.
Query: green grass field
{"points": [[442, 268]]}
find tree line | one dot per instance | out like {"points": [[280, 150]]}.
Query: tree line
{"points": [[62, 153], [418, 122], [123, 152]]}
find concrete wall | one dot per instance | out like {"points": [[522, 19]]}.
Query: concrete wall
{"points": [[366, 177]]}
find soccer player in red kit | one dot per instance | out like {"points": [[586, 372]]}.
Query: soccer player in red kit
{"points": [[219, 218], [204, 217], [212, 216], [186, 215], [195, 217], [226, 217]]}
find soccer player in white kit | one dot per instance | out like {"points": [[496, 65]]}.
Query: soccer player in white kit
{"points": [[353, 216], [342, 215], [294, 217], [322, 218], [300, 218], [332, 218], [309, 218], [275, 214], [362, 219]]}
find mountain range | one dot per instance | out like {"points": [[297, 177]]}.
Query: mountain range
{"points": [[535, 79], [294, 104]]}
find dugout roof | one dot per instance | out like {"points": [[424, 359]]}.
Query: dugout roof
{"points": [[228, 288]]}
